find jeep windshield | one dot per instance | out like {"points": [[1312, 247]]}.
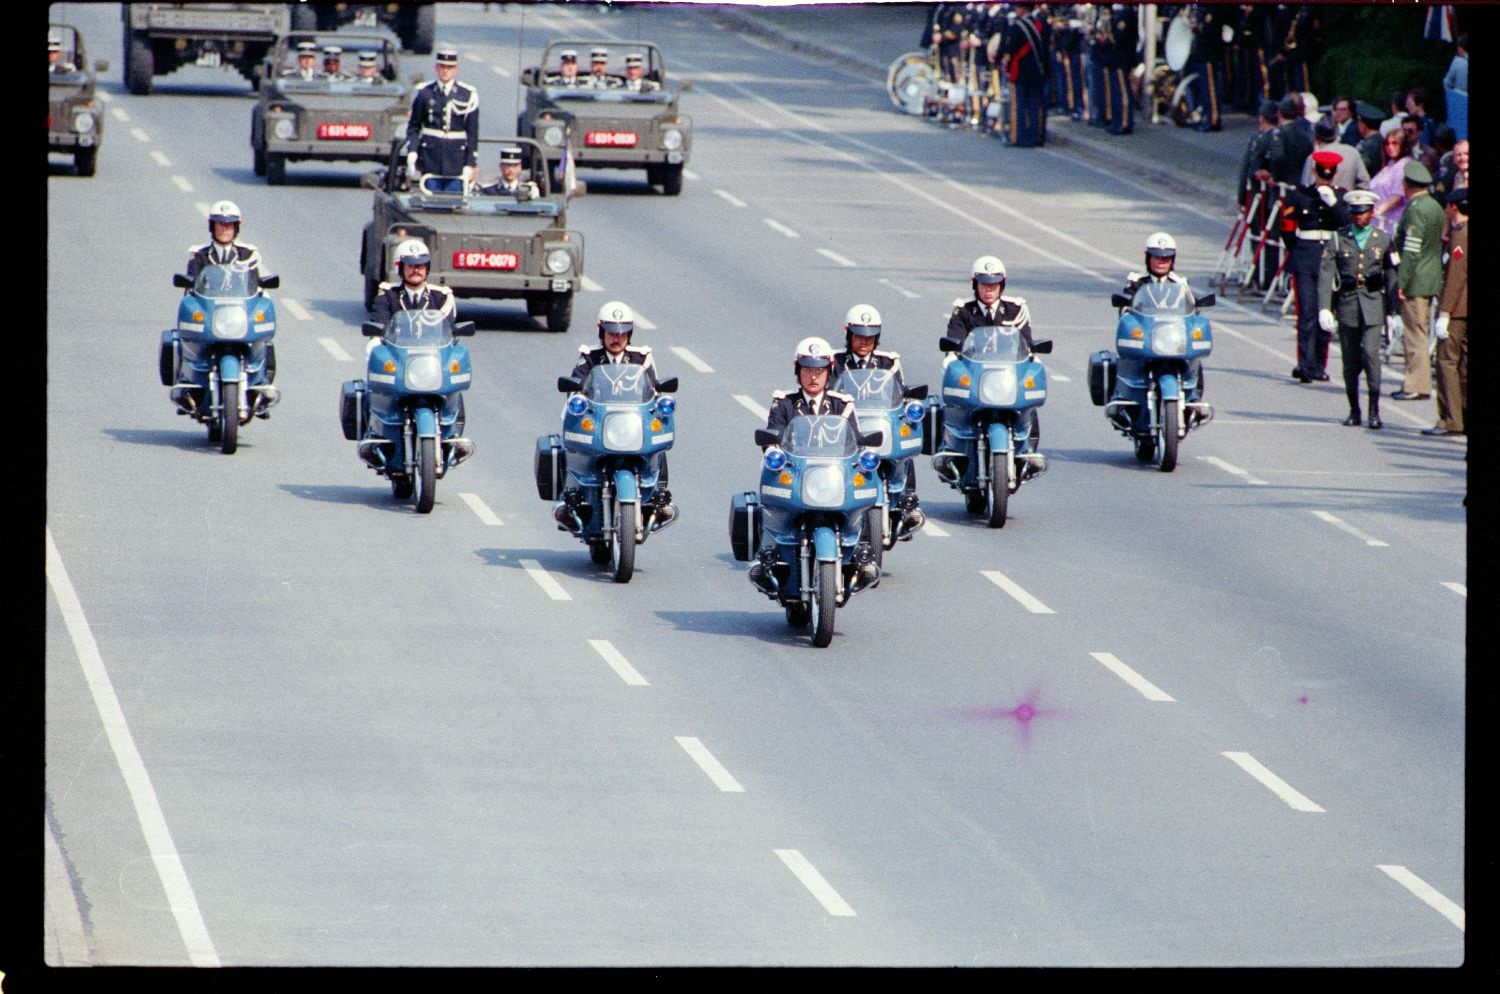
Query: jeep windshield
{"points": [[378, 88], [233, 280], [567, 94], [419, 329]]}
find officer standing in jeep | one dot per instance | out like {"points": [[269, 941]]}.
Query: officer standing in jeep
{"points": [[442, 133]]}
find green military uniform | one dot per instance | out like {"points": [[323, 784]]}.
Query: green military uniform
{"points": [[1419, 243], [1453, 351], [1354, 278]]}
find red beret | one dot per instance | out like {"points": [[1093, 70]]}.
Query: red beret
{"points": [[1327, 160]]}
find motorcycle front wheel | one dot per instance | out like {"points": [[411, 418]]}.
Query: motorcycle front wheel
{"points": [[999, 489], [426, 476], [622, 549], [825, 601], [1168, 428], [875, 532], [229, 418]]}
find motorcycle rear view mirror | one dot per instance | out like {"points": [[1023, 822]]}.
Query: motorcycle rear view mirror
{"points": [[765, 436], [873, 440], [182, 281], [1119, 300], [946, 344], [463, 328], [917, 392], [668, 385], [269, 282], [1208, 300], [1042, 346], [566, 384], [371, 330]]}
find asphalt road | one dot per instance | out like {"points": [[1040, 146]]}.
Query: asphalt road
{"points": [[1212, 717]]}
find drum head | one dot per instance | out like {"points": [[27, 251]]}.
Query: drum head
{"points": [[1179, 42], [910, 81]]}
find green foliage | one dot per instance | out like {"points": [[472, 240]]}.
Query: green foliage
{"points": [[1371, 51]]}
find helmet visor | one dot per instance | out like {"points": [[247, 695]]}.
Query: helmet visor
{"points": [[814, 361], [1162, 253], [617, 327], [864, 330], [988, 278]]}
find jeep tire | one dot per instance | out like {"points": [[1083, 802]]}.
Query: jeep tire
{"points": [[140, 63]]}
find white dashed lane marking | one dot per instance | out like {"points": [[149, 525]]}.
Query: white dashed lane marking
{"points": [[692, 360], [835, 257], [1426, 892], [544, 580], [1008, 585], [1277, 786], [1145, 687], [590, 285], [1457, 588], [336, 350], [1345, 526], [118, 113], [139, 135], [899, 289], [708, 764], [618, 663], [730, 198], [182, 184], [752, 406], [160, 159], [934, 529], [776, 225], [1230, 468], [814, 882], [481, 509], [298, 311], [201, 206]]}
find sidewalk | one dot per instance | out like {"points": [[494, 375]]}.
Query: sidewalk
{"points": [[867, 38]]}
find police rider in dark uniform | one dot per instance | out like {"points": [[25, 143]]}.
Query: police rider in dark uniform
{"points": [[1354, 281], [1161, 267], [442, 133], [413, 293], [226, 250], [1309, 218], [861, 338]]}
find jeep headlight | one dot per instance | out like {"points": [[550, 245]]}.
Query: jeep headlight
{"points": [[671, 139], [423, 372], [823, 486], [997, 387], [285, 128], [1169, 338], [552, 135], [559, 260], [83, 122], [230, 322], [623, 431]]}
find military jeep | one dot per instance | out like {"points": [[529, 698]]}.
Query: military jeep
{"points": [[604, 125], [75, 121], [346, 120], [494, 246]]}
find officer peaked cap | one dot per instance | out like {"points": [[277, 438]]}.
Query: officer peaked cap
{"points": [[1416, 173], [307, 48], [54, 43], [599, 54], [510, 153], [367, 58], [332, 51], [633, 58], [1360, 200], [446, 55], [1326, 162]]}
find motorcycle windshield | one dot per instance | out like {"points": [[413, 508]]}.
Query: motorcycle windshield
{"points": [[872, 389], [233, 280], [1163, 300], [822, 435], [419, 329], [623, 383], [994, 344]]}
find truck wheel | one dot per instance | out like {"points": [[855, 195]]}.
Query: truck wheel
{"points": [[257, 142], [85, 159], [671, 179], [140, 64], [560, 313], [372, 288], [419, 35], [275, 170]]}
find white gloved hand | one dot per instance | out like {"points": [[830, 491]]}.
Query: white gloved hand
{"points": [[1393, 326], [1328, 196], [467, 173], [1442, 326], [1326, 320]]}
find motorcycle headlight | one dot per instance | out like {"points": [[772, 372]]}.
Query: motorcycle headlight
{"points": [[577, 405], [775, 458], [230, 322], [915, 411], [671, 139], [1169, 338], [869, 459], [823, 486], [423, 373], [83, 122], [559, 261], [665, 406], [285, 128], [552, 134], [997, 387], [623, 431]]}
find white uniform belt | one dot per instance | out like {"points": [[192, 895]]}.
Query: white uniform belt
{"points": [[1317, 235], [436, 133]]}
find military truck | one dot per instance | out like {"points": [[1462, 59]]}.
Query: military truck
{"points": [[490, 246], [348, 120], [163, 37], [413, 23], [75, 121], [602, 123]]}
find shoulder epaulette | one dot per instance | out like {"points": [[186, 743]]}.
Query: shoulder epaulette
{"points": [[783, 394], [642, 349], [841, 396]]}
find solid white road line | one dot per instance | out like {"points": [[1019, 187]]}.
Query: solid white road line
{"points": [[182, 184], [298, 311], [935, 529], [1230, 468], [161, 160], [776, 225], [1457, 588], [118, 113], [544, 580], [1275, 784], [813, 881], [1146, 688], [481, 509], [731, 198], [164, 857], [589, 284], [901, 290], [1027, 601], [751, 406], [1426, 892], [139, 135], [692, 360], [1345, 526], [334, 349], [834, 256], [709, 765], [618, 663]]}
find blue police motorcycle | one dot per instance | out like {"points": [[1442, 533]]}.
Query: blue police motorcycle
{"points": [[1152, 390], [218, 360], [607, 466], [898, 417], [987, 449], [817, 484], [407, 414]]}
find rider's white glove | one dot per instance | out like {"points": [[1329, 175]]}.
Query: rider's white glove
{"points": [[1327, 195], [1442, 325], [1326, 320]]}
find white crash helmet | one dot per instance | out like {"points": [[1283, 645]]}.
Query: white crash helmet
{"points": [[988, 269], [412, 252], [224, 212], [616, 317], [862, 320], [814, 353], [1161, 245]]}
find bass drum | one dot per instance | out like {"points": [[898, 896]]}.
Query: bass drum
{"points": [[1179, 44], [910, 81]]}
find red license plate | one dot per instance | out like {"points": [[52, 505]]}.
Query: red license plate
{"points": [[331, 129], [485, 260], [610, 139]]}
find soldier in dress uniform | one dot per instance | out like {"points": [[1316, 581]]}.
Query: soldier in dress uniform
{"points": [[368, 70], [510, 183], [1067, 47], [307, 62], [1453, 324], [1297, 36], [635, 74], [1095, 106], [1124, 37], [1026, 61], [1355, 275], [442, 133], [1309, 217], [950, 22], [55, 62], [599, 77], [333, 57], [567, 69], [1206, 64]]}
